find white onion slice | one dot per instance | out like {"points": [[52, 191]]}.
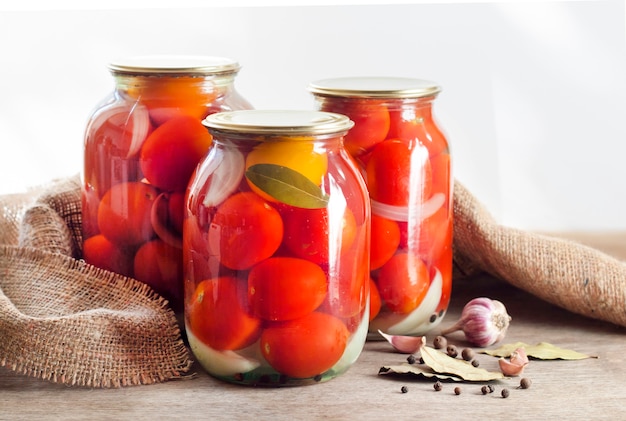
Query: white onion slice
{"points": [[224, 173], [220, 363], [403, 214], [416, 322], [140, 123], [355, 345]]}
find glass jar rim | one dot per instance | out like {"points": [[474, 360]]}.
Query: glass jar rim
{"points": [[375, 87], [279, 122], [174, 65]]}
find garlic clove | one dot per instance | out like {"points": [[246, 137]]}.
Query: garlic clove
{"points": [[516, 363], [404, 344]]}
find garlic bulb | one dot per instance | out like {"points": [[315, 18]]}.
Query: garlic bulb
{"points": [[483, 320]]}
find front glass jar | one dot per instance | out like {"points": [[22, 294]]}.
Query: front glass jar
{"points": [[142, 144], [406, 162], [276, 250]]}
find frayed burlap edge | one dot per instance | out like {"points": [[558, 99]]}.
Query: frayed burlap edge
{"points": [[56, 335], [575, 277]]}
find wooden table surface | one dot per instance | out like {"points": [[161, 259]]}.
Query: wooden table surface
{"points": [[587, 389]]}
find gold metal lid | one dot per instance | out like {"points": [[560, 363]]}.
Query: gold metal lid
{"points": [[375, 87], [279, 122], [174, 64]]}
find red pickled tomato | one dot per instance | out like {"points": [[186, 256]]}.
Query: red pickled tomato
{"points": [[371, 123], [403, 282], [398, 173], [385, 238], [216, 316], [375, 302], [284, 288], [306, 346], [347, 285], [405, 124], [100, 252], [172, 151], [160, 265], [124, 213], [308, 234], [245, 230]]}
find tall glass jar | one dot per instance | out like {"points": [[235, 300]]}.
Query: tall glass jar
{"points": [[142, 143], [276, 244], [406, 162]]}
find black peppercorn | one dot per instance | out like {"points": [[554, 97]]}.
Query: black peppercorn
{"points": [[404, 389], [452, 351], [411, 359], [475, 363], [484, 390], [438, 386], [505, 393], [491, 388], [468, 354], [440, 342], [525, 383]]}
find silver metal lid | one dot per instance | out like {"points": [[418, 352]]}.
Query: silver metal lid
{"points": [[279, 122], [375, 87], [174, 64]]}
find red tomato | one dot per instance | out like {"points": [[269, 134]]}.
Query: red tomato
{"points": [[398, 173], [347, 285], [403, 282], [308, 234], [284, 288], [100, 252], [405, 124], [124, 213], [371, 123], [385, 240], [172, 151], [245, 230], [218, 318], [160, 265], [305, 347], [375, 302]]}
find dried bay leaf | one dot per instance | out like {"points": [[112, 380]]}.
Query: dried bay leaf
{"points": [[541, 351], [287, 186], [417, 370], [444, 364]]}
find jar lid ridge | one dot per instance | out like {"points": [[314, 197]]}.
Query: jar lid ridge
{"points": [[375, 87], [174, 64]]}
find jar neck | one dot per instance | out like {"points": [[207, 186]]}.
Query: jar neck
{"points": [[327, 143], [140, 85]]}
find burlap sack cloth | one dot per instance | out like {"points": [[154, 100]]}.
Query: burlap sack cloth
{"points": [[68, 322]]}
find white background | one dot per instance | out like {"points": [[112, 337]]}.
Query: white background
{"points": [[533, 101]]}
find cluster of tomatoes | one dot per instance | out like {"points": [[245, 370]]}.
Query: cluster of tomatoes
{"points": [[140, 152], [406, 163], [284, 282]]}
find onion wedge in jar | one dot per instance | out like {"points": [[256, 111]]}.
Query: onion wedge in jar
{"points": [[403, 214], [416, 322]]}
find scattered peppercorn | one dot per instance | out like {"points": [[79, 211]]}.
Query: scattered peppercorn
{"points": [[457, 390], [505, 393], [484, 390], [491, 388], [421, 361], [438, 386], [440, 342], [475, 363], [525, 383], [468, 354], [452, 351], [404, 389], [411, 359]]}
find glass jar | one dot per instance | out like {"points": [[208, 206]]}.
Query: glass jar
{"points": [[276, 250], [141, 145], [405, 159]]}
